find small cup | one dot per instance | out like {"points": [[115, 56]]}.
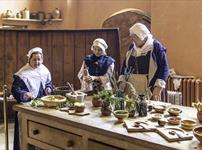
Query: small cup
{"points": [[162, 122]]}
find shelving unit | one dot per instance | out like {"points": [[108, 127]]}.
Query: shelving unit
{"points": [[31, 20]]}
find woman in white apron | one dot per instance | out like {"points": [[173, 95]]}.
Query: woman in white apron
{"points": [[96, 67], [32, 81], [145, 65]]}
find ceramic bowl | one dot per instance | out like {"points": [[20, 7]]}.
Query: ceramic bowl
{"points": [[121, 115], [78, 97], [159, 109], [174, 120], [156, 117], [53, 100], [174, 111], [188, 124], [197, 131]]}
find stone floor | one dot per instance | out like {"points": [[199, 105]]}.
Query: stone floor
{"points": [[10, 136]]}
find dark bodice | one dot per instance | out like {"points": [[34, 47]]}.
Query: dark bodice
{"points": [[140, 65]]}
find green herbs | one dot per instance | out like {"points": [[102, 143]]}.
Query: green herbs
{"points": [[35, 103], [198, 106]]}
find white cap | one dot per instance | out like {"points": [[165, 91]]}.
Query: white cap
{"points": [[140, 30], [100, 43], [34, 50]]}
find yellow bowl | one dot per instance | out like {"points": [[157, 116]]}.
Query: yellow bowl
{"points": [[53, 100], [188, 124], [197, 131]]}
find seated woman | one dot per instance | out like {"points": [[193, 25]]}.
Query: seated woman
{"points": [[97, 67], [32, 81]]}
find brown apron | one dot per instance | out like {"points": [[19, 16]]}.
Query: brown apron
{"points": [[140, 83]]}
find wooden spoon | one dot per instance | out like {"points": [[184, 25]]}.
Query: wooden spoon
{"points": [[71, 88]]}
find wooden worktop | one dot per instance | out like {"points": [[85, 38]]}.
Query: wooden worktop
{"points": [[110, 128]]}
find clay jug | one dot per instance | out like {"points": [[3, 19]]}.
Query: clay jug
{"points": [[199, 116], [26, 14], [56, 13]]}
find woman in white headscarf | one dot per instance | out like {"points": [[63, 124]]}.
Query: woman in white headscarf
{"points": [[32, 81], [96, 67], [146, 62]]}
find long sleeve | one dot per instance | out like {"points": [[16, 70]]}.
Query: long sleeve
{"points": [[19, 89], [80, 74], [105, 78], [49, 83]]}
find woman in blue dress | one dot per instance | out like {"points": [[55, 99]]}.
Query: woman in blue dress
{"points": [[96, 67], [32, 81], [146, 62]]}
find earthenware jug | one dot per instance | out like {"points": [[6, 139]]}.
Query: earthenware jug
{"points": [[56, 13]]}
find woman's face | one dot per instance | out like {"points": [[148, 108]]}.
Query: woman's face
{"points": [[138, 42], [97, 51], [36, 60]]}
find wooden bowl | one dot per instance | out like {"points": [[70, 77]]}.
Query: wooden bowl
{"points": [[197, 131], [121, 115], [188, 124], [174, 111], [53, 100]]}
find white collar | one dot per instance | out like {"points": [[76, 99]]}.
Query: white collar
{"points": [[34, 77]]}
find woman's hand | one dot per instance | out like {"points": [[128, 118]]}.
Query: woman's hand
{"points": [[91, 78], [28, 95], [87, 79], [48, 91], [157, 93]]}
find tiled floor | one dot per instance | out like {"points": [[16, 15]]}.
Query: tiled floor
{"points": [[10, 136]]}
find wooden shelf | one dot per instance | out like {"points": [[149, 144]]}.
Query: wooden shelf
{"points": [[31, 20]]}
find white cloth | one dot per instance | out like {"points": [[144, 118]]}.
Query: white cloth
{"points": [[148, 46], [104, 79], [140, 30], [34, 77], [34, 50], [100, 43]]}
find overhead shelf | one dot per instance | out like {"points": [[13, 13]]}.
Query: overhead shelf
{"points": [[31, 20]]}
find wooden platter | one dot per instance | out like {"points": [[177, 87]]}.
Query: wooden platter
{"points": [[138, 126], [174, 134]]}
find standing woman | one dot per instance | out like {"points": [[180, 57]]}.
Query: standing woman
{"points": [[146, 62], [97, 67], [32, 81]]}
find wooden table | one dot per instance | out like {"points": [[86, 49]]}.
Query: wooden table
{"points": [[52, 129]]}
